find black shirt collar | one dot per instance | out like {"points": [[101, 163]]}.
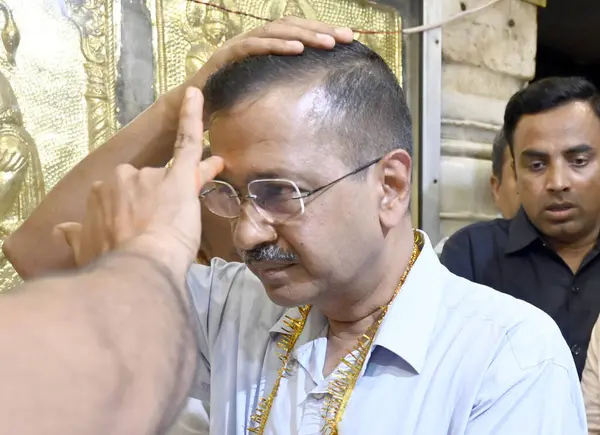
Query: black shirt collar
{"points": [[521, 233]]}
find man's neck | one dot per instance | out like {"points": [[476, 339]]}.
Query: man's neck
{"points": [[351, 314]]}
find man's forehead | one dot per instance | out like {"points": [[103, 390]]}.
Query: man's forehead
{"points": [[273, 135], [559, 129], [293, 103], [564, 120]]}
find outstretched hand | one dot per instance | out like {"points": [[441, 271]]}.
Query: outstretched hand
{"points": [[285, 36], [154, 211]]}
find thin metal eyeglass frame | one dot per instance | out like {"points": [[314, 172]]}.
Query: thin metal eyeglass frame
{"points": [[241, 198]]}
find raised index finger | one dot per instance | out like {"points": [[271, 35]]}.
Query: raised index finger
{"points": [[189, 142]]}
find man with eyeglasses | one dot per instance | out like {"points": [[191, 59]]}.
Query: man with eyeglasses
{"points": [[342, 317]]}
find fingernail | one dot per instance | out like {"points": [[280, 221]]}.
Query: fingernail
{"points": [[325, 38], [344, 31], [191, 92], [297, 45]]}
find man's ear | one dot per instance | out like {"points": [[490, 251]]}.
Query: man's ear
{"points": [[395, 180], [494, 186]]}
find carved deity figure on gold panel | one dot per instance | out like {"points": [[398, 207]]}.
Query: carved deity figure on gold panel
{"points": [[21, 183], [57, 99], [209, 28], [186, 36], [296, 8]]}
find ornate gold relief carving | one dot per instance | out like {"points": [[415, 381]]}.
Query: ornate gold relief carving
{"points": [[205, 29], [187, 33], [57, 99], [94, 19]]}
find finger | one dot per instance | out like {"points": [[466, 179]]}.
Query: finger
{"points": [[117, 205], [189, 142], [340, 34], [310, 32], [279, 30], [256, 46], [70, 232], [207, 170], [94, 236]]}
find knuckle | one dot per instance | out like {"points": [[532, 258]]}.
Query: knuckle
{"points": [[266, 31], [245, 46], [123, 170], [183, 139], [97, 186], [150, 178], [152, 173]]}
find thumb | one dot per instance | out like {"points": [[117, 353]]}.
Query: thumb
{"points": [[70, 232], [207, 170]]}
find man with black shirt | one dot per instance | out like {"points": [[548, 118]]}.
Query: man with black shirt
{"points": [[548, 254], [502, 183]]}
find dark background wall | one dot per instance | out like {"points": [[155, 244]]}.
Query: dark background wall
{"points": [[569, 39]]}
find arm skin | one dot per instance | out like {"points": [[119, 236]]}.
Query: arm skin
{"points": [[147, 141], [106, 350], [590, 383]]}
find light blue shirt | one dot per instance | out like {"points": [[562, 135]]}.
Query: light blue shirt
{"points": [[450, 358]]}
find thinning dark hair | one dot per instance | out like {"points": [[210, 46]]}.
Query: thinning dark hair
{"points": [[366, 111], [545, 95], [498, 148]]}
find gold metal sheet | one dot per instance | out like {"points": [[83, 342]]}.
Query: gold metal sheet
{"points": [[56, 99], [187, 33]]}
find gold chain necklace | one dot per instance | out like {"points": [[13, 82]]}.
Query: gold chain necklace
{"points": [[341, 387]]}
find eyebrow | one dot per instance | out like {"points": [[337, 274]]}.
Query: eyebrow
{"points": [[576, 149], [529, 153], [579, 149]]}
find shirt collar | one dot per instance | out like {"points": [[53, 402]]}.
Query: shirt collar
{"points": [[408, 326], [521, 233]]}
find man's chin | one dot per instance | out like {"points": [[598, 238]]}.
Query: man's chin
{"points": [[563, 232], [288, 296]]}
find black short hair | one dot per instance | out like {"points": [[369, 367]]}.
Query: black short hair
{"points": [[367, 108], [498, 148], [544, 95]]}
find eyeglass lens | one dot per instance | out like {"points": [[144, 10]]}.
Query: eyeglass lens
{"points": [[279, 199]]}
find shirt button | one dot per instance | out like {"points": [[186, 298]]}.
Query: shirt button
{"points": [[575, 289], [319, 396], [575, 349]]}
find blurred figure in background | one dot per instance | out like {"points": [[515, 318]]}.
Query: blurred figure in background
{"points": [[502, 182]]}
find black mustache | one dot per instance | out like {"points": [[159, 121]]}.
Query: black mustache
{"points": [[268, 253]]}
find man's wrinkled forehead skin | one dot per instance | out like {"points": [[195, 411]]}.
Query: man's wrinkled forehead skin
{"points": [[276, 134]]}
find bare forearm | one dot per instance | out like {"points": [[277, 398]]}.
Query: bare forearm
{"points": [[108, 350], [145, 142]]}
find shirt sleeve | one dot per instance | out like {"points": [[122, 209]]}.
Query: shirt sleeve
{"points": [[591, 383], [209, 288], [456, 255], [531, 387]]}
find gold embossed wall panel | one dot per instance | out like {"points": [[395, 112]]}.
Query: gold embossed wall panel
{"points": [[187, 33], [56, 99]]}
